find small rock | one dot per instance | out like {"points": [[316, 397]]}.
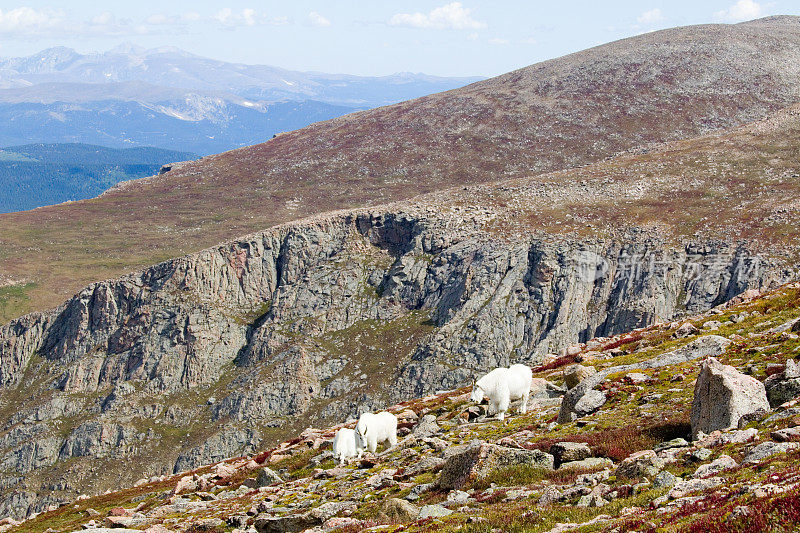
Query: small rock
{"points": [[755, 416], [739, 512], [593, 499], [781, 390], [433, 511], [640, 464], [637, 377], [428, 464], [590, 402], [719, 438], [590, 463], [549, 496], [674, 443], [682, 488], [407, 415], [664, 479], [791, 369], [685, 330], [267, 477], [426, 427], [786, 435], [767, 449], [574, 374], [457, 496], [723, 462], [564, 452], [397, 510], [701, 454]]}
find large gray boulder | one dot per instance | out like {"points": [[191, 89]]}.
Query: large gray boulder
{"points": [[479, 460], [722, 395]]}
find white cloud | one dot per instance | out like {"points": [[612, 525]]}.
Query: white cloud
{"points": [[29, 21], [249, 17], [43, 23], [318, 20], [499, 41], [246, 17], [740, 11], [453, 16], [654, 16], [224, 16]]}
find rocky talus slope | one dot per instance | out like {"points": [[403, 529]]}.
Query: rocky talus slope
{"points": [[689, 426], [558, 114], [223, 351]]}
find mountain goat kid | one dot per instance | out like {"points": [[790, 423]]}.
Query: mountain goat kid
{"points": [[346, 445], [501, 386], [372, 429]]}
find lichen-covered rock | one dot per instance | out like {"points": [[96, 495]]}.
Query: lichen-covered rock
{"points": [[574, 374], [397, 510], [684, 487], [590, 463], [266, 477], [781, 389], [685, 330], [590, 402], [478, 461], [768, 449], [564, 452], [428, 464], [722, 395], [664, 479], [723, 462], [427, 427], [640, 464]]}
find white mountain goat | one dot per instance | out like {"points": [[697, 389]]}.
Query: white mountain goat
{"points": [[346, 445], [372, 429], [501, 386]]}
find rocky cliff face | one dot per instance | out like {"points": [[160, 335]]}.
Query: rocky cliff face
{"points": [[216, 353]]}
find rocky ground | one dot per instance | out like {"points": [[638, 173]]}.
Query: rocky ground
{"points": [[680, 426]]}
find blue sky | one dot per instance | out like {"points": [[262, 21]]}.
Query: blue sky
{"points": [[470, 37]]}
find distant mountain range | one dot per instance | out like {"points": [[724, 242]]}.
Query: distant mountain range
{"points": [[43, 174], [167, 97]]}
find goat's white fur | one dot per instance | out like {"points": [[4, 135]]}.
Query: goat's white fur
{"points": [[501, 386], [346, 445], [374, 428]]}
